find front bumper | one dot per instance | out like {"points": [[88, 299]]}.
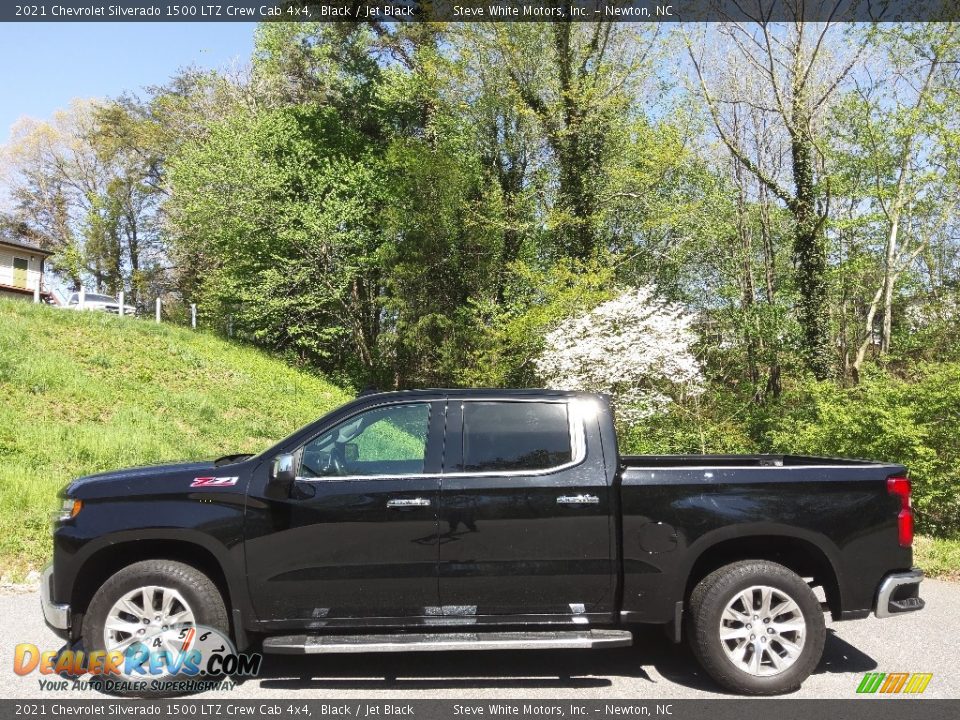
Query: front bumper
{"points": [[56, 615], [899, 593]]}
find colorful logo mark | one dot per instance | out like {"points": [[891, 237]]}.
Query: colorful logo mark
{"points": [[912, 683]]}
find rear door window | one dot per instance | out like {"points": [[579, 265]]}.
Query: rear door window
{"points": [[515, 436]]}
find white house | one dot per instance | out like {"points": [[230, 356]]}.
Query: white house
{"points": [[21, 270]]}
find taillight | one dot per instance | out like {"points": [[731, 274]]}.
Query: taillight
{"points": [[900, 486]]}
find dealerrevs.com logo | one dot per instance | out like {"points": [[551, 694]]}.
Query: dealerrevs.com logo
{"points": [[894, 683], [179, 660]]}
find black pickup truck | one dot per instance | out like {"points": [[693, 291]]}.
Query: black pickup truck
{"points": [[486, 519]]}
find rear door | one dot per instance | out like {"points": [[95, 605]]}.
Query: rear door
{"points": [[525, 526]]}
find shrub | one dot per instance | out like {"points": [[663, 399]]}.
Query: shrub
{"points": [[909, 418]]}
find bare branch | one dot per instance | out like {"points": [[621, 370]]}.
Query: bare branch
{"points": [[737, 153]]}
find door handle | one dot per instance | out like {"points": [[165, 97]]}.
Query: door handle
{"points": [[408, 502], [578, 500]]}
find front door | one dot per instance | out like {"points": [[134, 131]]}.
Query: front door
{"points": [[356, 536], [525, 518], [20, 266]]}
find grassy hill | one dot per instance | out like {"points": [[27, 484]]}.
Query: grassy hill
{"points": [[84, 392]]}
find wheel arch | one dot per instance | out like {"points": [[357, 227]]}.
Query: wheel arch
{"points": [[801, 555], [110, 558]]}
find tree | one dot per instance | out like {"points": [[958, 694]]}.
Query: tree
{"points": [[43, 186], [576, 81], [85, 196], [507, 147], [897, 137], [284, 224], [438, 239], [636, 347], [789, 73]]}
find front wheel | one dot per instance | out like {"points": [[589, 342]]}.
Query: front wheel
{"points": [[756, 627], [150, 607]]}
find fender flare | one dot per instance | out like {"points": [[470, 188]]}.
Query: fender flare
{"points": [[703, 544], [230, 563]]}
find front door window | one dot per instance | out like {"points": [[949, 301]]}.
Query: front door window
{"points": [[390, 440]]}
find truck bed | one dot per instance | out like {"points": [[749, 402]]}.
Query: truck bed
{"points": [[675, 507]]}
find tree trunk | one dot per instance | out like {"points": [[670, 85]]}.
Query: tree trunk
{"points": [[133, 251], [747, 287], [865, 343], [810, 257], [769, 274], [510, 164], [571, 145], [809, 247], [889, 278], [574, 131]]}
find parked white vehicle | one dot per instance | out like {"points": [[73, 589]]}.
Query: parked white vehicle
{"points": [[101, 303]]}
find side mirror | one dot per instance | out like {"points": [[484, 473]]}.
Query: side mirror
{"points": [[283, 470]]}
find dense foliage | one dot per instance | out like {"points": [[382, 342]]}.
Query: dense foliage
{"points": [[418, 204]]}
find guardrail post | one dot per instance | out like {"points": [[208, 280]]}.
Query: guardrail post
{"points": [[83, 298], [121, 299], [158, 309]]}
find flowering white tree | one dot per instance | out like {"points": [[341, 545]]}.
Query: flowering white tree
{"points": [[636, 347]]}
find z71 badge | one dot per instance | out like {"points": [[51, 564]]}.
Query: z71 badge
{"points": [[214, 482]]}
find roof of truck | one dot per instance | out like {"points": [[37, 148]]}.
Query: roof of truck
{"points": [[479, 392]]}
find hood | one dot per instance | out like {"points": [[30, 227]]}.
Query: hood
{"points": [[138, 480]]}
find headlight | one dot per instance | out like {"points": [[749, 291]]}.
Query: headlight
{"points": [[68, 509]]}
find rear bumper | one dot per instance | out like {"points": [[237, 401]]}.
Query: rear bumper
{"points": [[899, 593], [56, 615]]}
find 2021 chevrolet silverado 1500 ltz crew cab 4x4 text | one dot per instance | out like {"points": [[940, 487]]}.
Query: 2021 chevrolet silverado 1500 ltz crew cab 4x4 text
{"points": [[486, 519]]}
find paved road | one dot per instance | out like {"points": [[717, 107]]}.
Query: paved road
{"points": [[654, 668]]}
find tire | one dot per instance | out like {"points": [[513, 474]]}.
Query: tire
{"points": [[194, 590], [746, 661]]}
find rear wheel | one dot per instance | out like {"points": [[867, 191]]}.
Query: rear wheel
{"points": [[756, 627]]}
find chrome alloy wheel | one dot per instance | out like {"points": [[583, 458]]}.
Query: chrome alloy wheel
{"points": [[152, 615], [762, 630]]}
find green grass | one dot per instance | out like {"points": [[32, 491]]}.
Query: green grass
{"points": [[938, 557], [86, 392]]}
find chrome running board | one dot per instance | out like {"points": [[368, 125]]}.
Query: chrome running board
{"points": [[418, 642]]}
